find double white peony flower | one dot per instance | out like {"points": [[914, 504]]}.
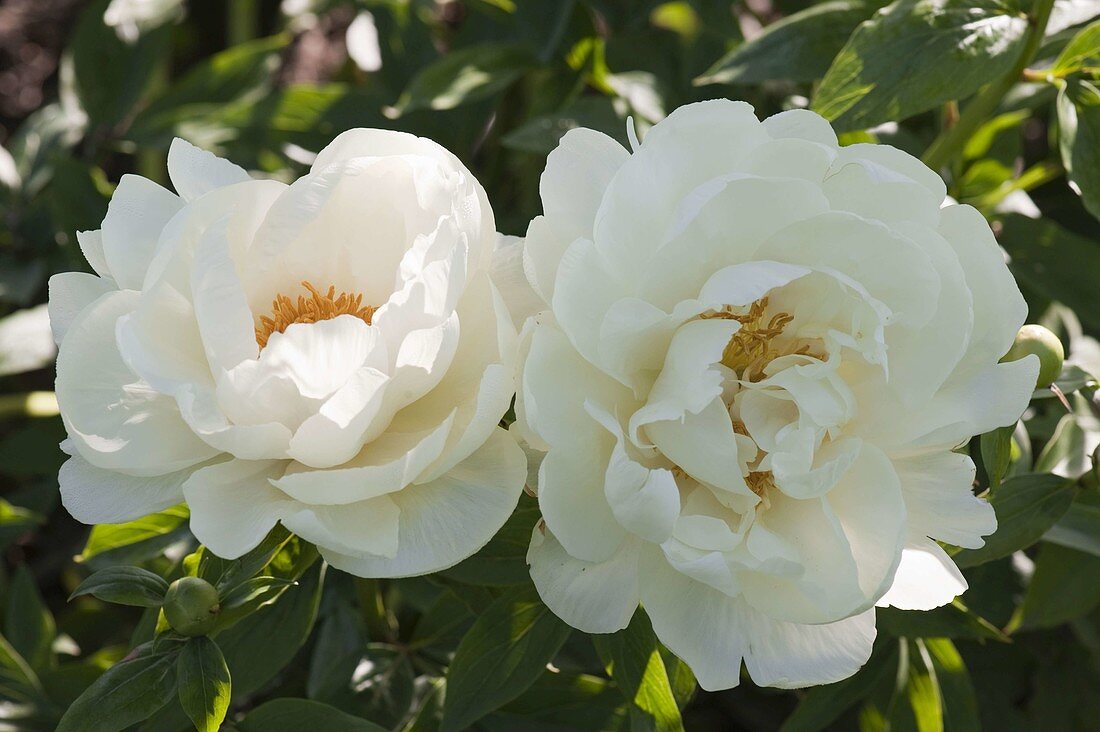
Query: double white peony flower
{"points": [[331, 355], [757, 353], [751, 355]]}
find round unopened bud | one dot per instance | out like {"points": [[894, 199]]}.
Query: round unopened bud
{"points": [[191, 606], [1035, 339]]}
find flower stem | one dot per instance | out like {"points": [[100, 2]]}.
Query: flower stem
{"points": [[243, 23], [950, 141]]}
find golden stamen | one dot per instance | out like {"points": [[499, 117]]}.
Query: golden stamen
{"points": [[760, 482], [750, 349], [318, 306]]}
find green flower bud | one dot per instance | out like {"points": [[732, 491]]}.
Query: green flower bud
{"points": [[191, 606], [1044, 344]]}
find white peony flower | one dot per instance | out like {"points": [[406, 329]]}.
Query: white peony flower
{"points": [[331, 355], [757, 353], [131, 18]]}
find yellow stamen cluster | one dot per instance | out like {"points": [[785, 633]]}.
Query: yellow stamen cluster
{"points": [[318, 306], [750, 349], [760, 482]]}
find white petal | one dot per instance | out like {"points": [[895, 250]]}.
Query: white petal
{"points": [[511, 280], [195, 172], [999, 308], [704, 445], [792, 656], [221, 308], [801, 124], [96, 496], [91, 246], [387, 464], [364, 527], [117, 421], [573, 502], [447, 520], [70, 293], [233, 505], [594, 597], [701, 625], [939, 498], [336, 433], [137, 214], [926, 578]]}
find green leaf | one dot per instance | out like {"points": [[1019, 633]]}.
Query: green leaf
{"points": [[950, 621], [799, 47], [959, 705], [1079, 140], [465, 76], [542, 134], [294, 715], [256, 592], [259, 646], [1065, 586], [1026, 506], [632, 657], [18, 681], [125, 694], [238, 74], [823, 705], [28, 622], [204, 685], [923, 690], [137, 540], [1054, 262], [1081, 52], [914, 55], [562, 701], [504, 652], [1079, 528], [16, 521], [997, 453], [111, 76], [124, 586]]}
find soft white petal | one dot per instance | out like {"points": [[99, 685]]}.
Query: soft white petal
{"points": [[116, 421], [233, 504], [447, 520], [511, 280], [70, 293], [137, 214], [195, 172], [364, 527], [594, 597], [926, 578], [790, 656], [940, 501], [96, 496], [91, 246]]}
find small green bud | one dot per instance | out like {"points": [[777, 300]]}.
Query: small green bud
{"points": [[1035, 339], [191, 606]]}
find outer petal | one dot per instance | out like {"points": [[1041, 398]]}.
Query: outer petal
{"points": [[195, 172], [701, 625], [233, 504], [594, 597], [447, 520], [791, 656], [926, 578], [577, 173], [137, 214], [939, 498], [91, 246], [70, 293], [115, 420], [369, 526], [96, 496]]}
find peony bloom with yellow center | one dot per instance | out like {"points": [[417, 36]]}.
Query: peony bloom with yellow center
{"points": [[753, 354], [331, 355]]}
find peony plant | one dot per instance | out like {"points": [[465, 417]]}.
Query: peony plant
{"points": [[753, 357], [330, 355]]}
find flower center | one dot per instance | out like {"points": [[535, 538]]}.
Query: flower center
{"points": [[317, 306]]}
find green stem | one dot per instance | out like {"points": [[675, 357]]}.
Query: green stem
{"points": [[243, 21], [945, 147]]}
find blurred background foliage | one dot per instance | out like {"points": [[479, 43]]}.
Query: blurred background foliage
{"points": [[999, 95]]}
